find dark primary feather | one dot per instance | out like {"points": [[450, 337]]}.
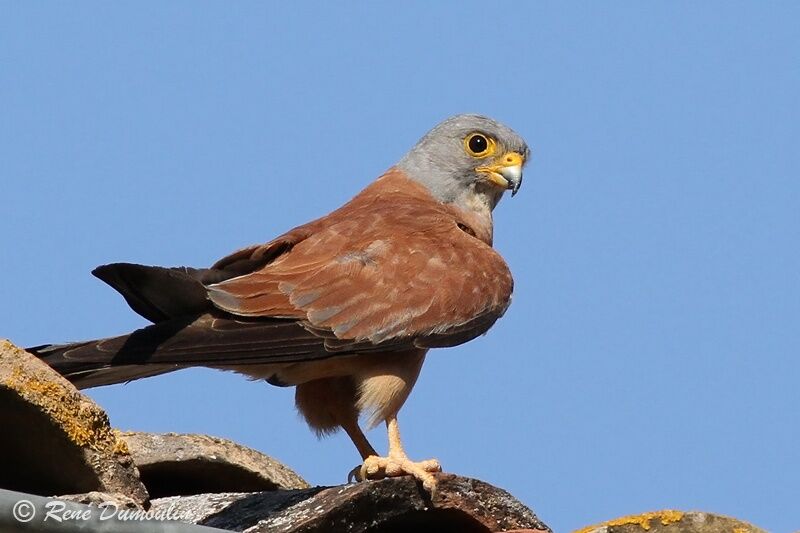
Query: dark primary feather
{"points": [[157, 293]]}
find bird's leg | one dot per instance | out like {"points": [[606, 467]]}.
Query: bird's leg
{"points": [[359, 439], [397, 463], [361, 443]]}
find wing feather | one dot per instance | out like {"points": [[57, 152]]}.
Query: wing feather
{"points": [[400, 271]]}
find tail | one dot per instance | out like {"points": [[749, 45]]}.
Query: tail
{"points": [[96, 368], [156, 293], [214, 340]]}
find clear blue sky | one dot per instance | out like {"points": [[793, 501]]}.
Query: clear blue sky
{"points": [[650, 357]]}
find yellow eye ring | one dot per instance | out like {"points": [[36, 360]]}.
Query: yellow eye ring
{"points": [[479, 145]]}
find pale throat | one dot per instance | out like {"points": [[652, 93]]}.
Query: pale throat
{"points": [[476, 205]]}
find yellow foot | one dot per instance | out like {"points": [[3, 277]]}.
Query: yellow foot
{"points": [[375, 467]]}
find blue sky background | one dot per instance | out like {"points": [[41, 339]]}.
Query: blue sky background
{"points": [[650, 357]]}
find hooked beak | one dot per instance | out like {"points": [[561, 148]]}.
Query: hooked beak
{"points": [[506, 172]]}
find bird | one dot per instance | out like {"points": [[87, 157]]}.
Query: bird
{"points": [[344, 308]]}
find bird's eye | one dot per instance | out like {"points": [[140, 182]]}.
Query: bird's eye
{"points": [[478, 145]]}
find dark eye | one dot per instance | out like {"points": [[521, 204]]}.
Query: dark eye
{"points": [[478, 145]]}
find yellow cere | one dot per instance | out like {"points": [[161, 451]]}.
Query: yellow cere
{"points": [[511, 159]]}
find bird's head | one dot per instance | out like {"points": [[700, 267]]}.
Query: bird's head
{"points": [[468, 158]]}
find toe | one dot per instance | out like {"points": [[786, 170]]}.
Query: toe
{"points": [[394, 469], [430, 486], [373, 468], [430, 465]]}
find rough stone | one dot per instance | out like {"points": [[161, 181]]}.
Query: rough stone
{"points": [[97, 498], [390, 505], [172, 464], [57, 441], [673, 522]]}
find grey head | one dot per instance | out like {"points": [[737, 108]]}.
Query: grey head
{"points": [[469, 160]]}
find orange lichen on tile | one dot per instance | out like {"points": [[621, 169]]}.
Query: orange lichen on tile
{"points": [[82, 421], [643, 520], [121, 446]]}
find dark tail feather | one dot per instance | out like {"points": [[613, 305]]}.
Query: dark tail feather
{"points": [[215, 341], [113, 359], [87, 374]]}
